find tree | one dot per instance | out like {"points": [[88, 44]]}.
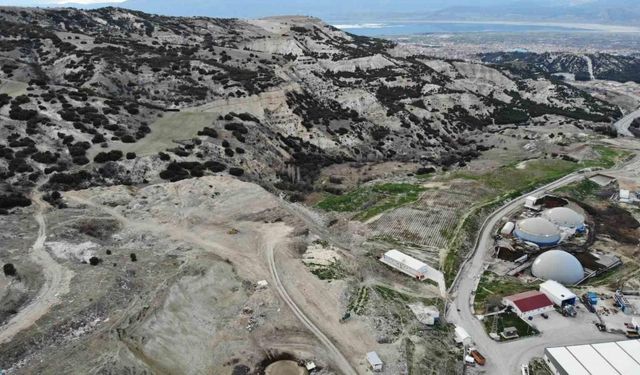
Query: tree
{"points": [[9, 269], [133, 257]]}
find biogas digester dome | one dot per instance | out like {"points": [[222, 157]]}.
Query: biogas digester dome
{"points": [[537, 230], [558, 265], [565, 217]]}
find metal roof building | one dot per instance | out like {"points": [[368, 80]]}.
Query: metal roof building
{"points": [[529, 303], [614, 358], [406, 264], [538, 230], [558, 265], [565, 218], [374, 361], [557, 293]]}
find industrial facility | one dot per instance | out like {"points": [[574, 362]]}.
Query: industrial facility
{"points": [[615, 358], [565, 218], [557, 293], [538, 231], [558, 265], [528, 304]]}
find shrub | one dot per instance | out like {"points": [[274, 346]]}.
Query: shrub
{"points": [[174, 172], [46, 157], [14, 200], [131, 155], [103, 157], [215, 166], [208, 132], [133, 257], [9, 269], [94, 261], [236, 171]]}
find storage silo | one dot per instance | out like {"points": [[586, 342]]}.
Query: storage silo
{"points": [[558, 265], [537, 230], [565, 218]]}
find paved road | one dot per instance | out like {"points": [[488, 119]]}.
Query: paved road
{"points": [[56, 281], [506, 358]]}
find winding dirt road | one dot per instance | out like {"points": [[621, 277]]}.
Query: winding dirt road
{"points": [[340, 360], [56, 281]]}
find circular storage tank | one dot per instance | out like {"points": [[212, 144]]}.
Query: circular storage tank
{"points": [[558, 265], [285, 367], [564, 217], [538, 230]]}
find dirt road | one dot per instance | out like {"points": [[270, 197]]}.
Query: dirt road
{"points": [[56, 281], [183, 234], [340, 360]]}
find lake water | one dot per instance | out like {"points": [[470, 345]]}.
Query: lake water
{"points": [[406, 28]]}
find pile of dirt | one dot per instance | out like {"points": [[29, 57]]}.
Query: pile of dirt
{"points": [[614, 222]]}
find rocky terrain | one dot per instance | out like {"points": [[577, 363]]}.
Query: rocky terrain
{"points": [[112, 96], [621, 68], [150, 167]]}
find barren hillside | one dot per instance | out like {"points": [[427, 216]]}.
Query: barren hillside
{"points": [[113, 96]]}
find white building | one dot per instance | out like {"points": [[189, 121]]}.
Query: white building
{"points": [[508, 228], [617, 357], [461, 336], [627, 196], [530, 203], [557, 293], [409, 265], [374, 361]]}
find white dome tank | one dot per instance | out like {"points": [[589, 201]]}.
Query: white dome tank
{"points": [[537, 230], [564, 217], [558, 265]]}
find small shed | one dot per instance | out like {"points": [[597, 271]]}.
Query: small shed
{"points": [[508, 228], [531, 202], [374, 361]]}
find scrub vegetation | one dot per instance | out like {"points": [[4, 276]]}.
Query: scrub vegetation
{"points": [[369, 201]]}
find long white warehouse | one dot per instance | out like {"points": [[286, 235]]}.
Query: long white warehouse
{"points": [[409, 265], [615, 358]]}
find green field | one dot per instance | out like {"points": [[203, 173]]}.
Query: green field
{"points": [[580, 190], [493, 285], [12, 88], [369, 201], [171, 127], [514, 180]]}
